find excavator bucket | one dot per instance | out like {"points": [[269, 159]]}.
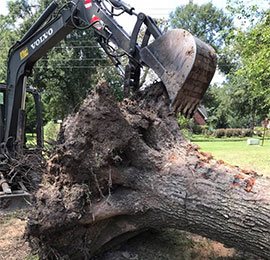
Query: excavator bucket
{"points": [[185, 64]]}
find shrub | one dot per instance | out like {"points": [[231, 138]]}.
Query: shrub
{"points": [[229, 132], [247, 133], [207, 130], [188, 124], [236, 132], [197, 129], [232, 132], [219, 133], [183, 122]]}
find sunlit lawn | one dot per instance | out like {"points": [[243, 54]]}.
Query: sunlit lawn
{"points": [[253, 157]]}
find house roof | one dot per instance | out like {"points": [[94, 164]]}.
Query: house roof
{"points": [[202, 110]]}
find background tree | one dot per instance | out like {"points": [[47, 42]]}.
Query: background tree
{"points": [[217, 105], [243, 99], [8, 37], [248, 82], [208, 23], [254, 47]]}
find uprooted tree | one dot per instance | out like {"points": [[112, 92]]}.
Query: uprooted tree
{"points": [[123, 168]]}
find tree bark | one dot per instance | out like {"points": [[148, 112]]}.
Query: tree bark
{"points": [[122, 169]]}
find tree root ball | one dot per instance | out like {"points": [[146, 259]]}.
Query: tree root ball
{"points": [[123, 168]]}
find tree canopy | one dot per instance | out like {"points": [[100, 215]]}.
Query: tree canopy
{"points": [[204, 21], [248, 83], [208, 23]]}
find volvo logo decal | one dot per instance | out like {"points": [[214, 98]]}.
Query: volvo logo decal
{"points": [[42, 38]]}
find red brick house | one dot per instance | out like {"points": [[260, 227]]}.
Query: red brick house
{"points": [[200, 116]]}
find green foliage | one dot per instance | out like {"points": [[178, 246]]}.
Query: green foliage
{"points": [[254, 49], [235, 104], [183, 122], [51, 131], [247, 12], [219, 133], [30, 114], [67, 73], [208, 23], [188, 126], [32, 257], [113, 77], [259, 131], [184, 125], [218, 104], [244, 99], [8, 38], [247, 88], [204, 21]]}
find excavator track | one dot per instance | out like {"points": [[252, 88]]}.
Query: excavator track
{"points": [[185, 64], [12, 197]]}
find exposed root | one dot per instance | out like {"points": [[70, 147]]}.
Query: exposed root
{"points": [[26, 169]]}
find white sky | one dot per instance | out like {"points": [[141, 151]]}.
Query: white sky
{"points": [[161, 8], [155, 8]]}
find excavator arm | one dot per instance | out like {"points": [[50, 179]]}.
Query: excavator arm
{"points": [[184, 63]]}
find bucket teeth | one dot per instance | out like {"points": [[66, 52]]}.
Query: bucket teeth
{"points": [[185, 64]]}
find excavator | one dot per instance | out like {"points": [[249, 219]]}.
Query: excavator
{"points": [[182, 62]]}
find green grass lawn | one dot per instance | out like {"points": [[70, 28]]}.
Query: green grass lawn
{"points": [[253, 157]]}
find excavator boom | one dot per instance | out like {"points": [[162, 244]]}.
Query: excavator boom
{"points": [[185, 64]]}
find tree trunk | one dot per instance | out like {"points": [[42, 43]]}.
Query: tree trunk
{"points": [[122, 169]]}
